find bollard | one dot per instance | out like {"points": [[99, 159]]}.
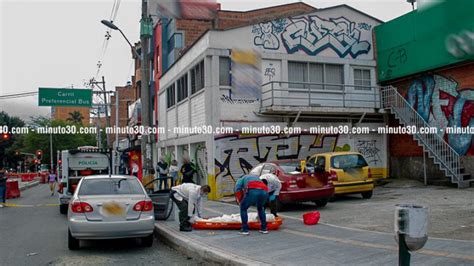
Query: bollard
{"points": [[411, 226]]}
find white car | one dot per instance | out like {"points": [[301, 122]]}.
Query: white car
{"points": [[108, 207]]}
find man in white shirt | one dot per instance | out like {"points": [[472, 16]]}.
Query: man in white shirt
{"points": [[274, 187], [188, 197]]}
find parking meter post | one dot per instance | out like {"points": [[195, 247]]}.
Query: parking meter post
{"points": [[403, 253]]}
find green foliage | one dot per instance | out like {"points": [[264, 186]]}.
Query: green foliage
{"points": [[8, 147]]}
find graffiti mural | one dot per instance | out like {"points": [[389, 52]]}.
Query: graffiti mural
{"points": [[369, 149], [312, 35], [237, 155], [443, 103], [266, 34]]}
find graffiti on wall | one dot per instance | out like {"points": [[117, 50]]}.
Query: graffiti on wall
{"points": [[442, 103], [266, 34], [369, 149], [237, 155], [312, 35]]}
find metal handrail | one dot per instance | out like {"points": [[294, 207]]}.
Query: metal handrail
{"points": [[443, 153], [308, 88]]}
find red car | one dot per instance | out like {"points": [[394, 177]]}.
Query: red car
{"points": [[297, 186]]}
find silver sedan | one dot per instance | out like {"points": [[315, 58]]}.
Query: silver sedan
{"points": [[108, 207]]}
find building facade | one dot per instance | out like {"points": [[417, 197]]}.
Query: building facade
{"points": [[428, 56], [313, 71]]}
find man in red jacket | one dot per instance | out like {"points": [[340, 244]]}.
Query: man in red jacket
{"points": [[251, 191]]}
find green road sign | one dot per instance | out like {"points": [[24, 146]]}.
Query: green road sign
{"points": [[65, 97]]}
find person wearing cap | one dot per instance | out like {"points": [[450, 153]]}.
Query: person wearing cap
{"points": [[274, 187]]}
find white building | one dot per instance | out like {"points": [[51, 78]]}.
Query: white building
{"points": [[315, 70]]}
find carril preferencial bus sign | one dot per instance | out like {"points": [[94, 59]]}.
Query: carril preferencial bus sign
{"points": [[64, 97]]}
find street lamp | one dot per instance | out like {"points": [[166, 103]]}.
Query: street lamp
{"points": [[111, 25]]}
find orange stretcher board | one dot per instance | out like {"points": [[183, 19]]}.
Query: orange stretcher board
{"points": [[274, 225]]}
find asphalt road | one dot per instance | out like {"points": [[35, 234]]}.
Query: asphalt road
{"points": [[34, 233]]}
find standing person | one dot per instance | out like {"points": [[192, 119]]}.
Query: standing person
{"points": [[135, 169], [3, 187], [52, 178], [188, 197], [187, 171], [251, 191], [274, 187], [162, 168], [173, 172]]}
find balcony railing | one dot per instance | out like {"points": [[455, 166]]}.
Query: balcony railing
{"points": [[281, 95]]}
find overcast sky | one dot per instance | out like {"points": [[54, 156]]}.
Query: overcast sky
{"points": [[59, 43]]}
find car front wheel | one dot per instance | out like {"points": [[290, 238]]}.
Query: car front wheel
{"points": [[72, 243], [147, 241], [367, 194], [321, 202]]}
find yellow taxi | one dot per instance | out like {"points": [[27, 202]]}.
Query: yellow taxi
{"points": [[348, 172]]}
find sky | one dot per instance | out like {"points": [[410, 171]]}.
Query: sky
{"points": [[59, 43]]}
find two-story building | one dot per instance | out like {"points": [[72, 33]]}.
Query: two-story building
{"points": [[314, 71]]}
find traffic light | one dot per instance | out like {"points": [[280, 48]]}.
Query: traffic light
{"points": [[5, 136], [39, 154]]}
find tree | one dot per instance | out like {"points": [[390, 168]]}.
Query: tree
{"points": [[14, 141], [61, 140], [75, 117]]}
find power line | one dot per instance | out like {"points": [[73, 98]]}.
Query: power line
{"points": [[18, 95]]}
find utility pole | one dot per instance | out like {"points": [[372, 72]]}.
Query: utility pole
{"points": [[107, 117], [145, 34]]}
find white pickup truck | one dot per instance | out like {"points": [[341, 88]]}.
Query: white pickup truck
{"points": [[78, 163]]}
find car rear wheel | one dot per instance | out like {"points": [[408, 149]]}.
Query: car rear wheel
{"points": [[147, 241], [367, 194], [72, 243], [63, 208], [321, 202]]}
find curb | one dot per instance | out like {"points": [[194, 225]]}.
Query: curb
{"points": [[200, 250], [27, 186]]}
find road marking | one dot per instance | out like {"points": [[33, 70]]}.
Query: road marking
{"points": [[30, 206], [363, 244]]}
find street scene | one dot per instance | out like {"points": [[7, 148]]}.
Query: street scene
{"points": [[225, 132]]}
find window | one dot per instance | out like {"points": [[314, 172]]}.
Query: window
{"points": [[170, 93], [224, 71], [320, 74], [175, 42], [362, 79], [348, 161], [197, 77], [297, 73], [182, 88], [110, 186], [321, 162], [334, 74]]}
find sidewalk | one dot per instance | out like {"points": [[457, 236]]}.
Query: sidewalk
{"points": [[297, 244]]}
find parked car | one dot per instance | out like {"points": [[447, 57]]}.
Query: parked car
{"points": [[109, 207], [296, 186], [347, 171]]}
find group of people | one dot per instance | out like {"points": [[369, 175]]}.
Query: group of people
{"points": [[249, 191], [171, 172]]}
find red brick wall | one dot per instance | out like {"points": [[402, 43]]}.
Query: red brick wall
{"points": [[193, 29], [404, 145]]}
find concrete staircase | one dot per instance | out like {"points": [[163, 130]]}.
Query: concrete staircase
{"points": [[434, 145]]}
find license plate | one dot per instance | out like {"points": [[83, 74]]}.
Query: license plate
{"points": [[113, 209]]}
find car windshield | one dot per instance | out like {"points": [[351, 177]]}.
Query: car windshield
{"points": [[110, 186], [348, 161], [291, 168]]}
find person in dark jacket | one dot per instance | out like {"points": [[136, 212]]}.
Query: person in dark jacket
{"points": [[187, 171], [251, 191], [162, 169], [3, 187]]}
